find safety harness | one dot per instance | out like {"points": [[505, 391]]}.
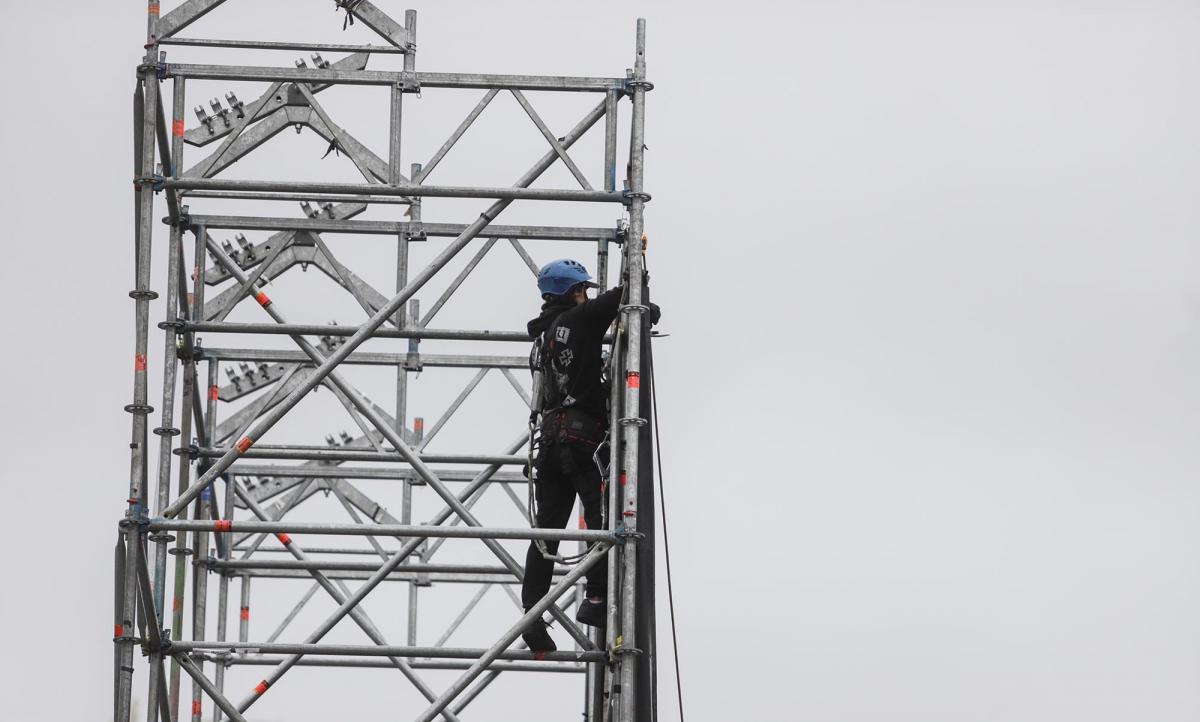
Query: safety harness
{"points": [[553, 418]]}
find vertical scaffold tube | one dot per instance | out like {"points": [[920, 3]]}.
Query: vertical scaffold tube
{"points": [[166, 433], [188, 412], [199, 594], [144, 145], [630, 408], [166, 429]]}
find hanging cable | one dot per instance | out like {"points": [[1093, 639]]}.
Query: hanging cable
{"points": [[662, 505]]}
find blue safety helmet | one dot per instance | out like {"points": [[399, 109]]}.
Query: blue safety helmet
{"points": [[557, 277]]}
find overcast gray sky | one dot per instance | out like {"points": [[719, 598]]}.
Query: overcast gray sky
{"points": [[932, 385]]}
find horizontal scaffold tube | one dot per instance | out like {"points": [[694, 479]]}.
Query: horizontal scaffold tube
{"points": [[359, 472], [319, 453], [396, 530], [386, 77], [264, 196], [362, 650], [411, 361], [352, 552], [275, 45], [348, 566], [390, 228], [328, 330], [269, 660], [404, 189], [396, 576], [367, 358]]}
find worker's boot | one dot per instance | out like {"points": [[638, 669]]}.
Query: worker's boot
{"points": [[537, 638], [594, 614]]}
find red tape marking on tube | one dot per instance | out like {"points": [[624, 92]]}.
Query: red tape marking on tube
{"points": [[633, 380], [119, 631], [284, 539], [223, 525], [197, 707], [153, 9], [245, 613], [139, 362], [244, 444], [177, 128], [262, 299], [214, 392], [262, 687]]}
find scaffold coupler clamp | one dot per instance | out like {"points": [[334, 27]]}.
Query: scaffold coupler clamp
{"points": [[161, 647], [161, 69], [184, 220], [179, 324], [632, 84], [618, 649], [185, 347], [623, 534], [622, 232], [155, 182], [416, 232], [191, 451], [137, 524], [412, 362], [409, 83]]}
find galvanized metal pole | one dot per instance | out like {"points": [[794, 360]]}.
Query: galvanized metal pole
{"points": [[144, 149], [181, 548], [630, 408], [166, 430]]}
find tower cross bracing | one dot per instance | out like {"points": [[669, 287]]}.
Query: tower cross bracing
{"points": [[223, 500]]}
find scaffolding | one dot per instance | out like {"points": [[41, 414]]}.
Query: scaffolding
{"points": [[209, 500]]}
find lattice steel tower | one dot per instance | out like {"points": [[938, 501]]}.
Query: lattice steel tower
{"points": [[215, 501]]}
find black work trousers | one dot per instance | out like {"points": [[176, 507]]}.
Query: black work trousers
{"points": [[564, 470]]}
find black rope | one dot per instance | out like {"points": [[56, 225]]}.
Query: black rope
{"points": [[349, 6], [662, 505]]}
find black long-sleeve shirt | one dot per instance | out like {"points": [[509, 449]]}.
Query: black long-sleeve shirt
{"points": [[579, 337]]}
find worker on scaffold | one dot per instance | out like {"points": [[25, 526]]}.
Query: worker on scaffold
{"points": [[572, 398]]}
